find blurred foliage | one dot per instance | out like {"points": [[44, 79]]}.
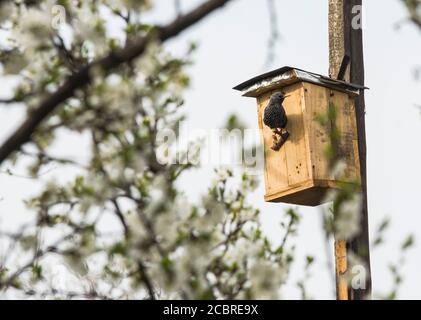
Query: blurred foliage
{"points": [[119, 225]]}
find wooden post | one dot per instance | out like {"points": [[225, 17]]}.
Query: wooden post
{"points": [[344, 38]]}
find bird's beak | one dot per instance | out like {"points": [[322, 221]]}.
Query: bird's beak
{"points": [[287, 95]]}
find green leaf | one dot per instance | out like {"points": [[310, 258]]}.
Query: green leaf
{"points": [[309, 260]]}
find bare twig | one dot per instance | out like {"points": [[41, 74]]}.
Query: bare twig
{"points": [[120, 216], [146, 280], [44, 156], [38, 254], [66, 54]]}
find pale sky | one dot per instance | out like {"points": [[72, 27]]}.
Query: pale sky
{"points": [[232, 48]]}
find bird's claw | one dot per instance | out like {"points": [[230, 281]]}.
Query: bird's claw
{"points": [[279, 139]]}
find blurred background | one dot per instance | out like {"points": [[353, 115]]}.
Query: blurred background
{"points": [[233, 47]]}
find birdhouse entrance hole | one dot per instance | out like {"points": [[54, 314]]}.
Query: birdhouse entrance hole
{"points": [[299, 172]]}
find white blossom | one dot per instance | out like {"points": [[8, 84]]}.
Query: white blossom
{"points": [[250, 182], [14, 63], [236, 205], [90, 27], [248, 213], [34, 28], [137, 228], [132, 4], [266, 278], [223, 174], [166, 226], [215, 210]]}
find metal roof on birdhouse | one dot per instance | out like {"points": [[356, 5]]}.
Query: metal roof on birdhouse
{"points": [[286, 76]]}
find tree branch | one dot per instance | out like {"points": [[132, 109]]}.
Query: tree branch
{"points": [[39, 253], [120, 216], [146, 280], [114, 59]]}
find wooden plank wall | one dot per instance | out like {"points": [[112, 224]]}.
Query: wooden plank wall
{"points": [[288, 166], [317, 100]]}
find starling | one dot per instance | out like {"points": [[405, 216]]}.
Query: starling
{"points": [[276, 119]]}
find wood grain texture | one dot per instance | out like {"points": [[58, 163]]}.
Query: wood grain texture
{"points": [[346, 125], [299, 172], [295, 147], [316, 102], [315, 105], [341, 269]]}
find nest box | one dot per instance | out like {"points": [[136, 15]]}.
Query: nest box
{"points": [[299, 172]]}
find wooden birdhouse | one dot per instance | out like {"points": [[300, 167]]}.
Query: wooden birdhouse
{"points": [[298, 171]]}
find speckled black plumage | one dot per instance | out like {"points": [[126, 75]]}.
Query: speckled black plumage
{"points": [[275, 116]]}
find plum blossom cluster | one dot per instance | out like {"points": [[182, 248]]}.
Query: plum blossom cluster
{"points": [[118, 225]]}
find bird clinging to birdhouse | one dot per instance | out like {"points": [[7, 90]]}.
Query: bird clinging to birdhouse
{"points": [[276, 119]]}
